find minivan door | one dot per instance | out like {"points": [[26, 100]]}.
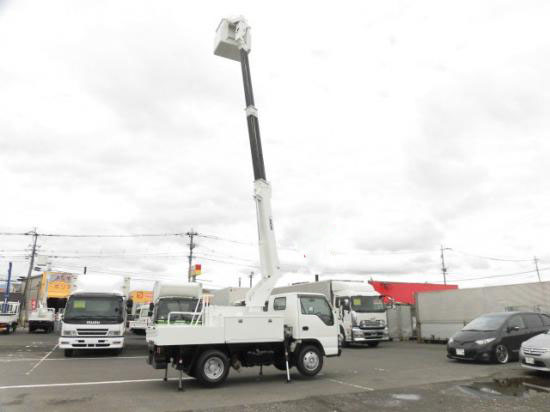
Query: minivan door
{"points": [[317, 322], [514, 333]]}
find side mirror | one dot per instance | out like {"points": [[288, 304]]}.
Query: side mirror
{"points": [[151, 307], [513, 329], [346, 305]]}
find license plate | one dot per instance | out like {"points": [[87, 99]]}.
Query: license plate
{"points": [[530, 361], [460, 352]]}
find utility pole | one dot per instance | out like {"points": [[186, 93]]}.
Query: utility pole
{"points": [[239, 281], [23, 309], [190, 276], [85, 269], [536, 260], [250, 276], [443, 267]]}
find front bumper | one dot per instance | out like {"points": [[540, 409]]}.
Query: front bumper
{"points": [[535, 362], [369, 335], [41, 323], [103, 342], [472, 352]]}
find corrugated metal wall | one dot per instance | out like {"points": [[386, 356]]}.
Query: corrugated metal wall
{"points": [[442, 313]]}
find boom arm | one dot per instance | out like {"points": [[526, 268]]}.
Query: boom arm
{"points": [[233, 42]]}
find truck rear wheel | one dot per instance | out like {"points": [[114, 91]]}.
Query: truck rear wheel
{"points": [[310, 360], [212, 368]]}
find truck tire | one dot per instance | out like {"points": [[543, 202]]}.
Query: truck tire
{"points": [[68, 353], [310, 360], [342, 338], [373, 344], [212, 368]]}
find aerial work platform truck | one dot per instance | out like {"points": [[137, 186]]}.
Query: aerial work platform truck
{"points": [[284, 330]]}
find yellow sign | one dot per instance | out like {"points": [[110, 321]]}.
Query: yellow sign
{"points": [[356, 301], [59, 284], [141, 296]]}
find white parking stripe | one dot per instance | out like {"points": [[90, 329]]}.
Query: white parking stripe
{"points": [[51, 385], [42, 360], [365, 388], [7, 360]]}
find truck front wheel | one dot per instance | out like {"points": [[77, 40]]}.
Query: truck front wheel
{"points": [[68, 353], [372, 344], [310, 361], [212, 368]]}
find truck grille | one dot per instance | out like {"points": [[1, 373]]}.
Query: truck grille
{"points": [[534, 351], [371, 324], [91, 332]]}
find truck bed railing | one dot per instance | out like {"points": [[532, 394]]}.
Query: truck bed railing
{"points": [[196, 316]]}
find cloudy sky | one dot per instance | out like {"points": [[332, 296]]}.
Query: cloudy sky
{"points": [[389, 129]]}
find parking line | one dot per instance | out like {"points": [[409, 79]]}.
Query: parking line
{"points": [[7, 360], [51, 385], [365, 388], [42, 360]]}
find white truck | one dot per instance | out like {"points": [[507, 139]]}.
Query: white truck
{"points": [[284, 330], [95, 314], [174, 302], [141, 320], [362, 314], [42, 318], [9, 315]]}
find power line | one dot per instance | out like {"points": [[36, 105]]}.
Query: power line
{"points": [[502, 275], [94, 235], [490, 258]]}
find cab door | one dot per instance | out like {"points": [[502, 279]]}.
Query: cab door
{"points": [[317, 321]]}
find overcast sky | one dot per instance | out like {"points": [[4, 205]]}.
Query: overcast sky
{"points": [[389, 129]]}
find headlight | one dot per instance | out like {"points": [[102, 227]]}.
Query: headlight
{"points": [[484, 341], [114, 333], [69, 332]]}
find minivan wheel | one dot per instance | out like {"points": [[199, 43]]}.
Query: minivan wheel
{"points": [[501, 354]]}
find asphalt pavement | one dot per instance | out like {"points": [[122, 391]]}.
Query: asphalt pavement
{"points": [[34, 375]]}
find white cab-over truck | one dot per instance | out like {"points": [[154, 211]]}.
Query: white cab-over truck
{"points": [[174, 302], [141, 320], [362, 313], [284, 330], [95, 314], [9, 315]]}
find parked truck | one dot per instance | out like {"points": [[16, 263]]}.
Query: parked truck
{"points": [[9, 315], [362, 314], [283, 330], [174, 302], [140, 320], [42, 318], [95, 314]]}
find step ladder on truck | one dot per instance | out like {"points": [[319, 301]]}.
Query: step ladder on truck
{"points": [[284, 330]]}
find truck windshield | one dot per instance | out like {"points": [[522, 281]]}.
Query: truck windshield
{"points": [[364, 304], [101, 308], [144, 312], [167, 305]]}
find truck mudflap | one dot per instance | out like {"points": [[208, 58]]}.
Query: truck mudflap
{"points": [[157, 357]]}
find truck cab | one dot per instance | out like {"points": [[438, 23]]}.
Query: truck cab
{"points": [[95, 317], [9, 314], [362, 312], [141, 319]]}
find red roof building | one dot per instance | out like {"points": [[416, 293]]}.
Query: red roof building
{"points": [[402, 292]]}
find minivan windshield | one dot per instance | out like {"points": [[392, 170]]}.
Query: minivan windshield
{"points": [[364, 304], [102, 308], [486, 323]]}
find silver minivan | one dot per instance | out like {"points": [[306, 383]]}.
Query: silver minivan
{"points": [[535, 352]]}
